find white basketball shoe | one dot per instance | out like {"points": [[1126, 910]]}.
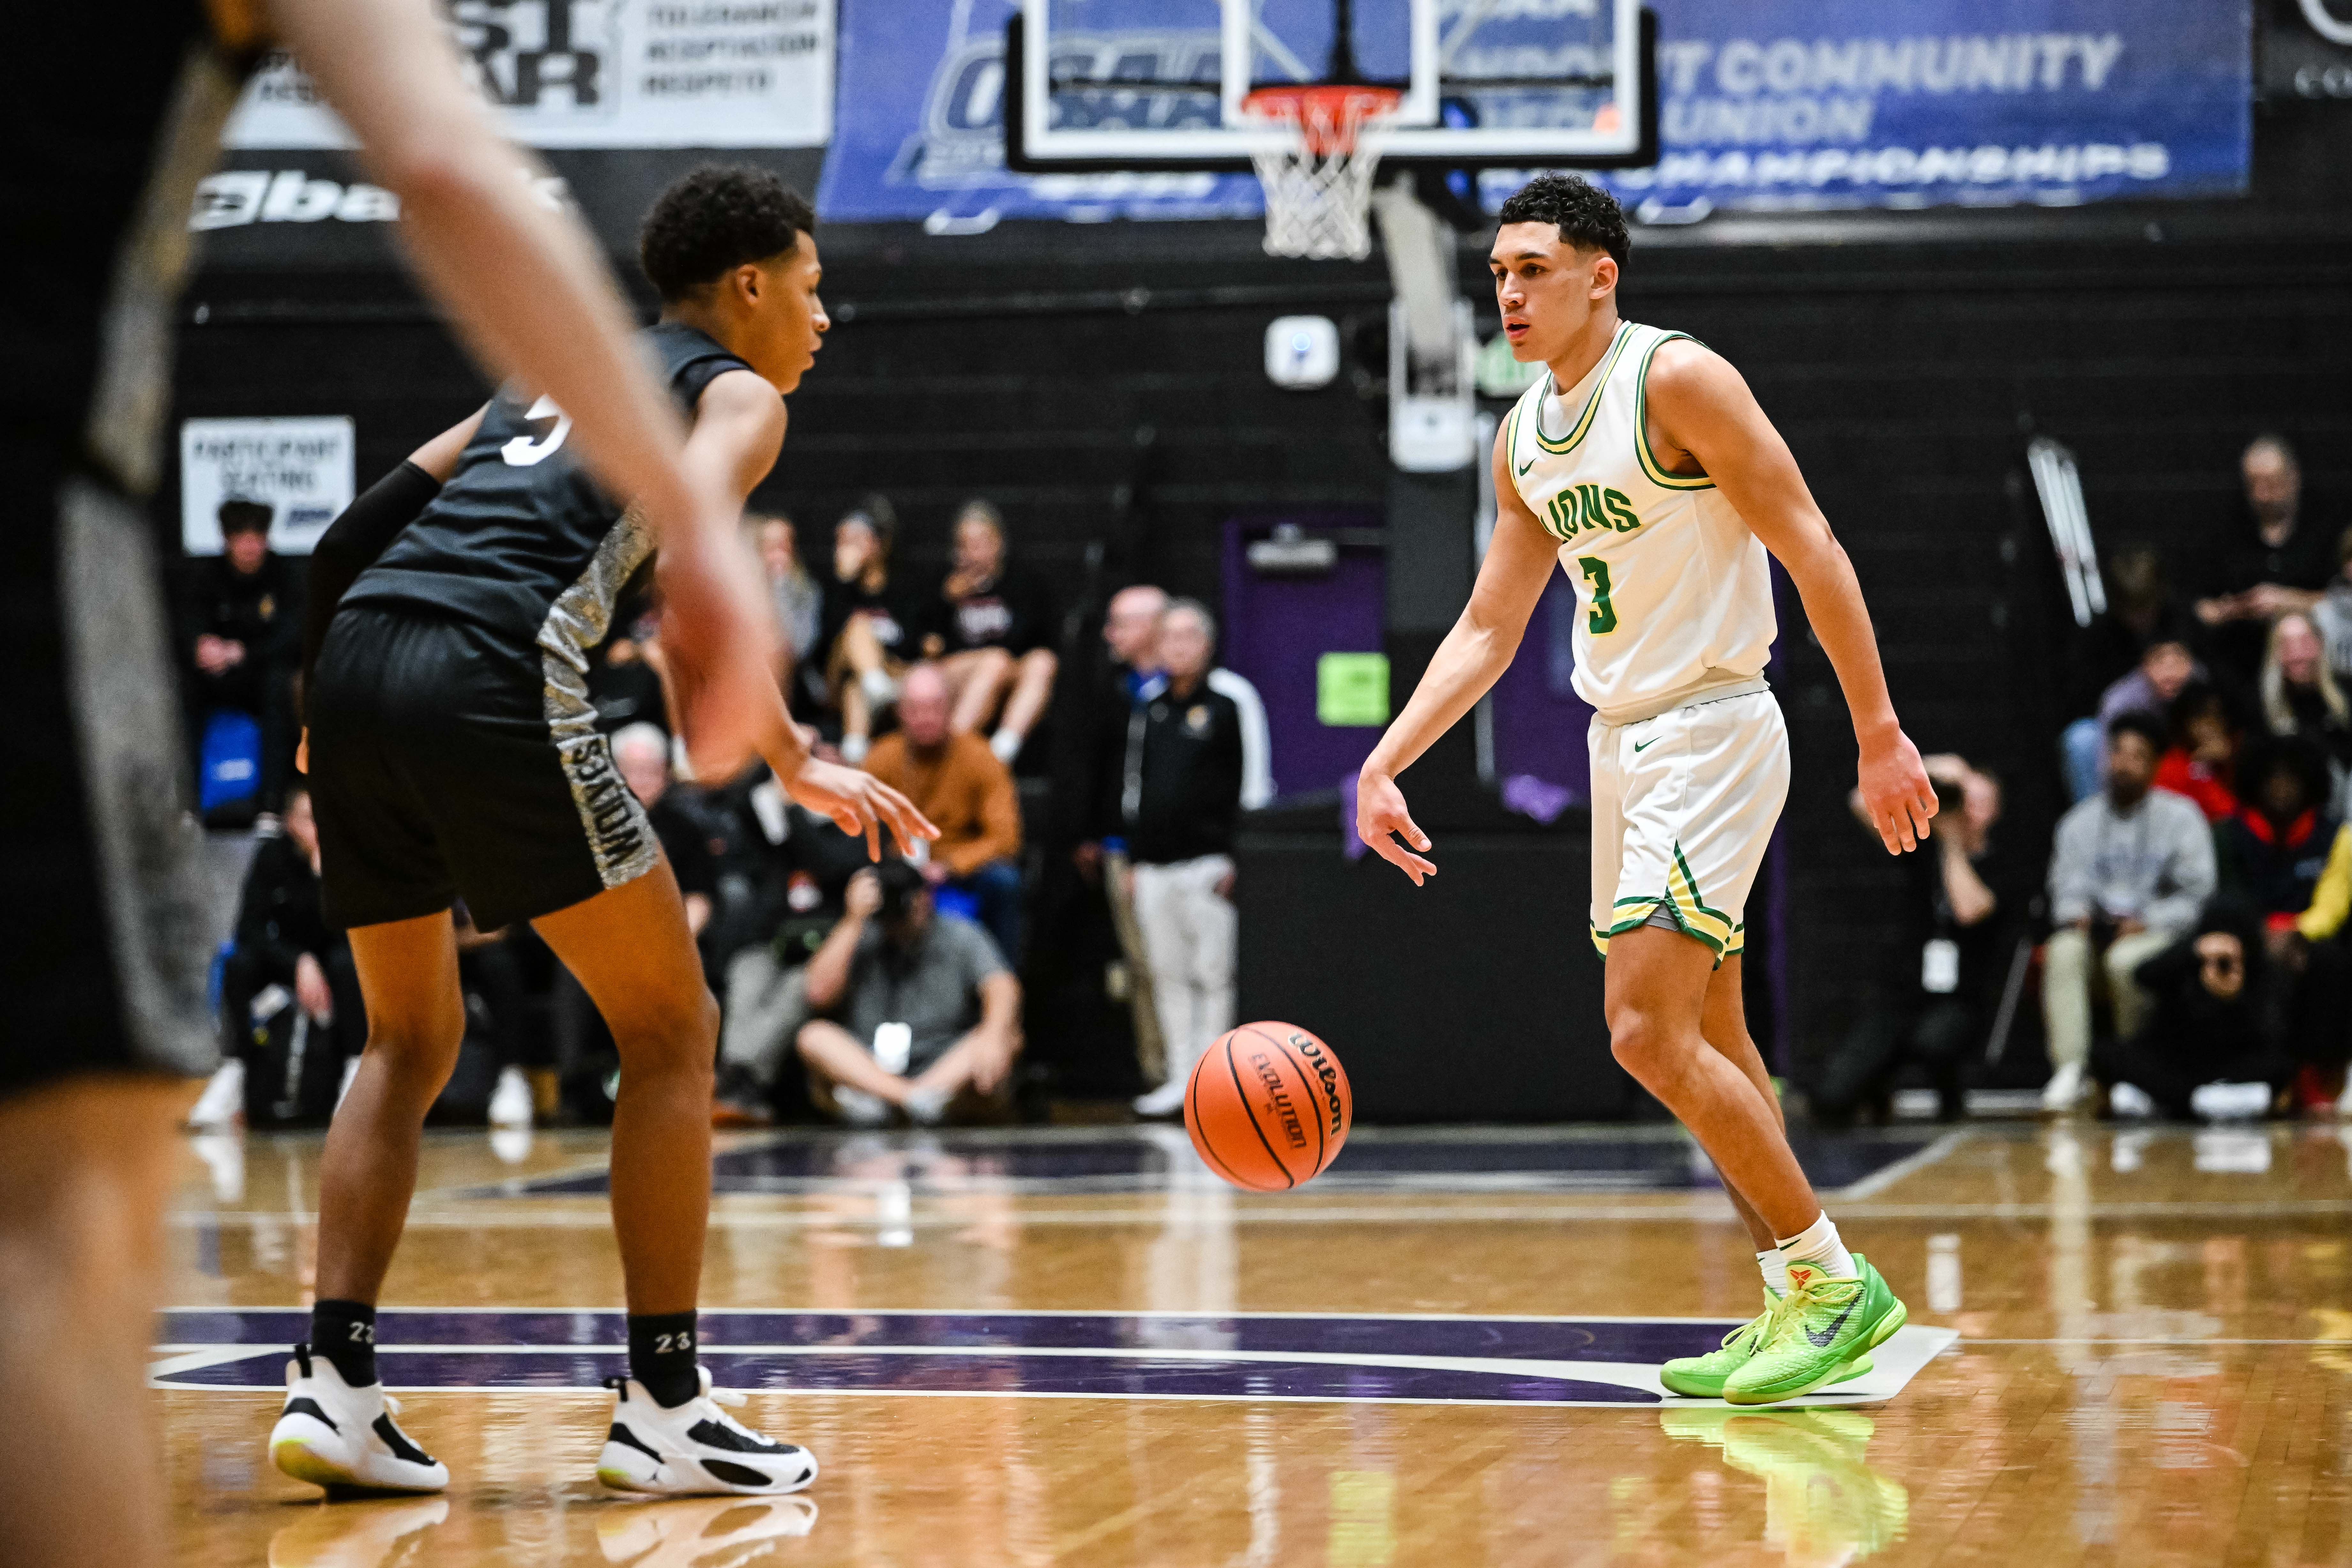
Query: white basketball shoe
{"points": [[337, 1436], [694, 1448]]}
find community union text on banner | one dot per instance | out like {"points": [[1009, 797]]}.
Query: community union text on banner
{"points": [[1842, 103], [606, 73]]}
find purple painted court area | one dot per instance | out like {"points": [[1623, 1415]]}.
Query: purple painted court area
{"points": [[1128, 1355], [1122, 1161]]}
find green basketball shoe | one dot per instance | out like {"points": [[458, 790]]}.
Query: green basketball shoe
{"points": [[1824, 1328], [1703, 1377]]}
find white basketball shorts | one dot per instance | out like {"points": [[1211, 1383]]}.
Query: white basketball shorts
{"points": [[1683, 807]]}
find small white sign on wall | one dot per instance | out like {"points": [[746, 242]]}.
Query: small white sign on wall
{"points": [[299, 469]]}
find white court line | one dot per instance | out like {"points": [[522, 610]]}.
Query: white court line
{"points": [[1887, 1176], [1898, 1361], [1185, 1313]]}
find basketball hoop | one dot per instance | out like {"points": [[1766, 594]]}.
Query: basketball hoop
{"points": [[1318, 184]]}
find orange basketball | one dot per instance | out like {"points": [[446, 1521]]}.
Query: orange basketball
{"points": [[1268, 1107]]}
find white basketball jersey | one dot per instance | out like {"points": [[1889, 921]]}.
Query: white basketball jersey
{"points": [[1675, 593]]}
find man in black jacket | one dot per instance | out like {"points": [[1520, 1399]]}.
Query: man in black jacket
{"points": [[241, 637], [1194, 736], [283, 944]]}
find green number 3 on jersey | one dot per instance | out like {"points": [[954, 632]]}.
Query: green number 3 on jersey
{"points": [[1601, 618]]}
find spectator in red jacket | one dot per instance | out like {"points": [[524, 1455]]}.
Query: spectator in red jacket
{"points": [[2201, 760]]}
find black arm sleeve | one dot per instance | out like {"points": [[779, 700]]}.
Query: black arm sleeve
{"points": [[351, 546]]}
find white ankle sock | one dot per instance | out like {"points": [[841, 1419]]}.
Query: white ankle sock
{"points": [[1818, 1244], [1776, 1270]]}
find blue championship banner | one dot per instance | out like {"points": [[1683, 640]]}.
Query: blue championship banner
{"points": [[1764, 104], [1781, 104], [920, 129]]}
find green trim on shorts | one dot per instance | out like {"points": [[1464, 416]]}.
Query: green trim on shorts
{"points": [[1693, 916]]}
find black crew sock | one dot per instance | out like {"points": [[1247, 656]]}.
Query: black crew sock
{"points": [[344, 1333], [662, 1356]]}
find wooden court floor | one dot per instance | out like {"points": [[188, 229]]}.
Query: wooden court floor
{"points": [[1070, 1347]]}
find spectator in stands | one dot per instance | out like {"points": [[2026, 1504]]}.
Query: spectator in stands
{"points": [[927, 1009], [2271, 856], [799, 603], [2300, 695], [956, 781], [641, 752], [805, 864], [870, 623], [2332, 614], [992, 630], [241, 637], [2141, 612], [1948, 968], [283, 940], [2268, 855], [2280, 565], [2131, 868], [2319, 952], [2204, 1022], [1131, 633], [2164, 671], [1196, 756], [2201, 760], [1131, 638]]}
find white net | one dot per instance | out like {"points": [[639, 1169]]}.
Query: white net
{"points": [[1318, 187]]}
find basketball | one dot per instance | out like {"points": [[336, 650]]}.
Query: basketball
{"points": [[1268, 1107]]}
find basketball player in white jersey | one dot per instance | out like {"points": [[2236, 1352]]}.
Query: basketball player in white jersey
{"points": [[1642, 463]]}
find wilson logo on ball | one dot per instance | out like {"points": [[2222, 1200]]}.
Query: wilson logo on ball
{"points": [[1327, 1076]]}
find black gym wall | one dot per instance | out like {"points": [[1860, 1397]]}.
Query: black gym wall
{"points": [[1104, 386]]}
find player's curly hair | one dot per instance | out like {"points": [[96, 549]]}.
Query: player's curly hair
{"points": [[1589, 217], [717, 217]]}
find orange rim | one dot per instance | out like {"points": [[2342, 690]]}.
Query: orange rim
{"points": [[1327, 116]]}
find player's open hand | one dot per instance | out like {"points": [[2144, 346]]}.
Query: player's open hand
{"points": [[1382, 818], [1897, 792], [859, 803]]}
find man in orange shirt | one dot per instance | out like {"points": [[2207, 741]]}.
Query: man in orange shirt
{"points": [[958, 783]]}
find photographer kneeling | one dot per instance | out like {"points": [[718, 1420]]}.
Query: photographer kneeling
{"points": [[928, 1009], [2210, 1021]]}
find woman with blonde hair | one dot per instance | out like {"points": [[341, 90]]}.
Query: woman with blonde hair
{"points": [[2301, 695]]}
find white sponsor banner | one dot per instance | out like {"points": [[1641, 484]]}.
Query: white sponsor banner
{"points": [[299, 469], [606, 73]]}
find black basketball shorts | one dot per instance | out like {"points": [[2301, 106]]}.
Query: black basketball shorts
{"points": [[108, 939], [446, 762]]}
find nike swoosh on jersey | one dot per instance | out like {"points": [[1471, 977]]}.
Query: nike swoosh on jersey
{"points": [[1641, 746], [1821, 1340], [1524, 467]]}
